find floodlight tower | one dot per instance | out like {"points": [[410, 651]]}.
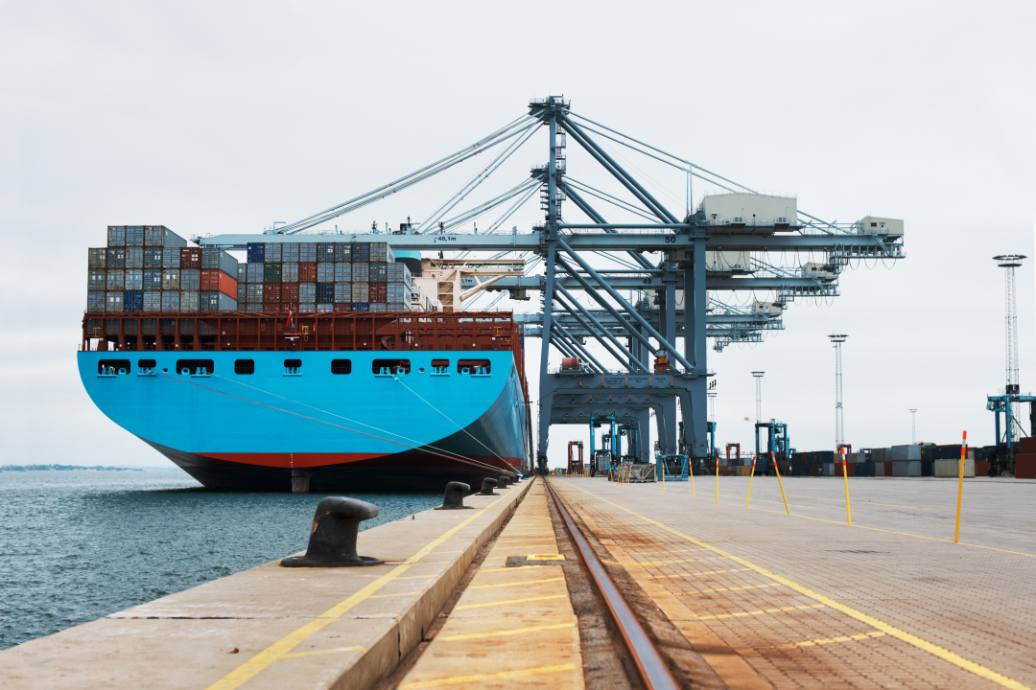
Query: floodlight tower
{"points": [[1009, 262], [913, 425], [838, 339], [758, 395]]}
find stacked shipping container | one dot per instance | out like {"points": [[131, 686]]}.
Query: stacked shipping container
{"points": [[304, 277], [149, 268]]}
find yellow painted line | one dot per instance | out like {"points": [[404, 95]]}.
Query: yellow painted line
{"points": [[504, 602], [678, 576], [511, 568], [756, 612], [321, 652], [507, 632], [835, 640], [265, 658], [544, 557], [876, 623], [481, 677], [393, 595], [512, 583]]}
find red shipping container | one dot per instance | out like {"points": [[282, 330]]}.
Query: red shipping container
{"points": [[190, 257], [888, 469], [378, 292], [290, 293], [1025, 466], [272, 293], [214, 280], [1027, 444], [343, 307], [981, 468], [307, 272], [286, 307]]}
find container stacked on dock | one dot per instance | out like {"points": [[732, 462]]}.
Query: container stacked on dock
{"points": [[149, 268], [305, 277]]}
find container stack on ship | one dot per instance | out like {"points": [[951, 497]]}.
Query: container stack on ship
{"points": [[311, 365]]}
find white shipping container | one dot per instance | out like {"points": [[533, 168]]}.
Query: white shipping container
{"points": [[883, 227], [749, 209], [113, 302], [189, 300]]}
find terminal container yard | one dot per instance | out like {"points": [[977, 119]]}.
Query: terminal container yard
{"points": [[297, 399]]}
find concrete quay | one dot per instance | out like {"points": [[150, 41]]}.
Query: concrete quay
{"points": [[275, 627]]}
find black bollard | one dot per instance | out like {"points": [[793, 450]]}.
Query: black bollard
{"points": [[332, 538], [503, 481], [453, 498], [488, 484]]}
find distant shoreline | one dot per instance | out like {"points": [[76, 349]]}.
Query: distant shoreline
{"points": [[67, 468]]}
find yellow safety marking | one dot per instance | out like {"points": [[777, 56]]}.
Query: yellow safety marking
{"points": [[394, 594], [506, 632], [756, 612], [678, 576], [511, 568], [913, 535], [544, 557], [416, 577], [500, 675], [876, 623], [512, 583], [739, 588], [835, 640], [504, 602], [265, 658], [319, 652]]}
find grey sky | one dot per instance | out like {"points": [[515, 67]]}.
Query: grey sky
{"points": [[216, 117]]}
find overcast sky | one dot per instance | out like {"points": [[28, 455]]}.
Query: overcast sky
{"points": [[225, 117]]}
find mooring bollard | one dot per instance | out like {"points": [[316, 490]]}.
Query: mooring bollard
{"points": [[332, 537], [488, 484], [504, 481], [453, 497]]}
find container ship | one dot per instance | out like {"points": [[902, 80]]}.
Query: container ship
{"points": [[311, 366]]}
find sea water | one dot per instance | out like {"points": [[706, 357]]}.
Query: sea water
{"points": [[77, 545]]}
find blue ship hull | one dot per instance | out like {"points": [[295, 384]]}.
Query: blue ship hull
{"points": [[371, 428]]}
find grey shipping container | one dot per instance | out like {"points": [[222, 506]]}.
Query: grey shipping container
{"points": [[254, 292], [255, 273], [153, 257], [378, 306], [398, 273], [397, 306], [134, 235], [323, 307], [214, 257], [170, 279], [307, 307], [380, 251], [190, 278], [254, 306], [289, 270], [905, 452], [242, 293], [378, 272], [361, 292], [113, 301], [325, 251], [97, 257], [906, 468], [170, 300], [343, 251], [361, 273], [116, 257], [152, 300], [95, 300], [343, 292], [397, 292], [115, 279], [171, 257], [117, 237], [307, 252], [161, 236], [216, 301], [326, 273], [189, 300], [343, 272], [152, 278], [134, 279], [96, 279], [361, 252], [242, 273], [273, 252], [290, 252], [134, 257], [307, 292]]}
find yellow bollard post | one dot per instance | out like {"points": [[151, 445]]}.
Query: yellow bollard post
{"points": [[751, 476], [780, 483], [663, 475], [960, 482], [717, 479], [845, 478], [690, 477]]}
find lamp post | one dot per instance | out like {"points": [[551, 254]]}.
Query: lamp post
{"points": [[837, 339], [913, 425]]}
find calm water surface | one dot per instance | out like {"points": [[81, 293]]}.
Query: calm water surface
{"points": [[78, 545]]}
